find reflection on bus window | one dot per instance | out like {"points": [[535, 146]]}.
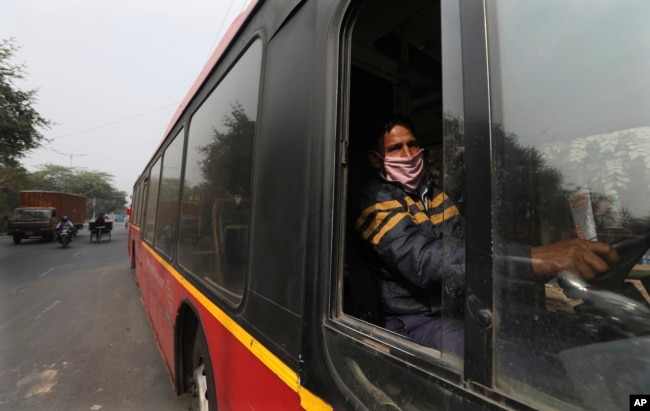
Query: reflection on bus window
{"points": [[170, 185], [571, 139], [152, 202], [137, 204], [215, 208]]}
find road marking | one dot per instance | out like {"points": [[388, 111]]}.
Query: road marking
{"points": [[45, 273], [54, 304]]}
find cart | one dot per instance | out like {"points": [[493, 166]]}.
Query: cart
{"points": [[99, 232]]}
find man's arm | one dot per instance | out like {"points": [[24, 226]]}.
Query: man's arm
{"points": [[587, 258]]}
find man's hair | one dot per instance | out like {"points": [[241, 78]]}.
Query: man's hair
{"points": [[383, 128]]}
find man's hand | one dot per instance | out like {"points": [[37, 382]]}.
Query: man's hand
{"points": [[582, 257]]}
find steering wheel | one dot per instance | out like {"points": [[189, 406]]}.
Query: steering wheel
{"points": [[630, 250], [612, 308]]}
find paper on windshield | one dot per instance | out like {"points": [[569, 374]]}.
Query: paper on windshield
{"points": [[583, 214]]}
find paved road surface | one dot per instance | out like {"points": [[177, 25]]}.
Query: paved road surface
{"points": [[73, 333]]}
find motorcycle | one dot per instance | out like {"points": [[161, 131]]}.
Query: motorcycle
{"points": [[64, 236]]}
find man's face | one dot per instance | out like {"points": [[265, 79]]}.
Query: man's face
{"points": [[397, 142]]}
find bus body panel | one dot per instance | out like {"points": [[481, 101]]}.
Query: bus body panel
{"points": [[244, 373], [281, 172]]}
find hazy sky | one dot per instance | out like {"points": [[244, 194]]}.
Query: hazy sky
{"points": [[111, 74]]}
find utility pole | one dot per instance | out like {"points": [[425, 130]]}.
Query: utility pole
{"points": [[72, 155]]}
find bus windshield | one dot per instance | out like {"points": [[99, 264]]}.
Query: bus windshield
{"points": [[571, 139]]}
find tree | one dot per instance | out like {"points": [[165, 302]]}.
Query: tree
{"points": [[19, 121], [12, 179], [606, 161], [227, 162]]}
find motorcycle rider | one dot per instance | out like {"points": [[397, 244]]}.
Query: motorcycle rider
{"points": [[63, 223]]}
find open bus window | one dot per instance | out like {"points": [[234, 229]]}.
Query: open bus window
{"points": [[397, 69], [215, 205]]}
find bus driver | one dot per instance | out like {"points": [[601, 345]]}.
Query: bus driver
{"points": [[411, 227]]}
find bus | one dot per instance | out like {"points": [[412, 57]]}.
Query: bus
{"points": [[534, 119]]}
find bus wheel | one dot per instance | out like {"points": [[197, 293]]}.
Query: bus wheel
{"points": [[203, 396]]}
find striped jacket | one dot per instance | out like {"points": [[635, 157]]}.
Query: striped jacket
{"points": [[414, 245]]}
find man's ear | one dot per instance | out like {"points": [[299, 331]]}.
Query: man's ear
{"points": [[375, 160]]}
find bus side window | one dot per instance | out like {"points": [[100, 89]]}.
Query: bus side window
{"points": [[215, 211], [166, 220], [152, 202]]}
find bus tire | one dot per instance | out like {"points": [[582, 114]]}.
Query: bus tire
{"points": [[203, 396]]}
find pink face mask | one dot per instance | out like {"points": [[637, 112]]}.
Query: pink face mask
{"points": [[405, 170]]}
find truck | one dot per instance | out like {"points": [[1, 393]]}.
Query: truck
{"points": [[40, 211]]}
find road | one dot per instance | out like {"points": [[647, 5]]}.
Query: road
{"points": [[73, 332]]}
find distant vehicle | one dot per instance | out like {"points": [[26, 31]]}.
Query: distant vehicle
{"points": [[97, 232], [64, 236], [39, 213]]}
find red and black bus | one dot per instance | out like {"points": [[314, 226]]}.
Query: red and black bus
{"points": [[241, 230]]}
